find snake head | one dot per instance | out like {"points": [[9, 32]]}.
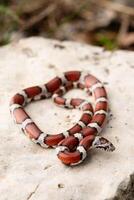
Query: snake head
{"points": [[103, 143]]}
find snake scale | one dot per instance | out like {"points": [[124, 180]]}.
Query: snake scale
{"points": [[71, 145]]}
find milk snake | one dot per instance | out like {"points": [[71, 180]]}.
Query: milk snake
{"points": [[71, 145]]}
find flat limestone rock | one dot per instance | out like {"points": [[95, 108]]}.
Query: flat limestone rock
{"points": [[28, 172]]}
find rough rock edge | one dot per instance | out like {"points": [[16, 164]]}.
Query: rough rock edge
{"points": [[125, 190]]}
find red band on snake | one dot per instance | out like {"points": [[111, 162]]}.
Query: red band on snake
{"points": [[71, 145]]}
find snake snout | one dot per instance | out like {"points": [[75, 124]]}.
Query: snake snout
{"points": [[103, 143]]}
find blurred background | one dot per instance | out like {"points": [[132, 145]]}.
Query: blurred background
{"points": [[107, 23]]}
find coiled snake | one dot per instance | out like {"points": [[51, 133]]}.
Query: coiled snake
{"points": [[71, 145]]}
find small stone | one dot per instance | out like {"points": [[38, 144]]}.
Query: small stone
{"points": [[61, 185], [47, 166], [51, 66], [59, 46]]}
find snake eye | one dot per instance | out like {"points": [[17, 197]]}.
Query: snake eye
{"points": [[103, 143]]}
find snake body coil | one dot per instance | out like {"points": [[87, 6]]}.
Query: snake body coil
{"points": [[71, 145]]}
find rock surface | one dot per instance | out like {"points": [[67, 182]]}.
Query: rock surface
{"points": [[28, 172]]}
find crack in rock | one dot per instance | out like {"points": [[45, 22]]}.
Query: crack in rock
{"points": [[33, 192]]}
